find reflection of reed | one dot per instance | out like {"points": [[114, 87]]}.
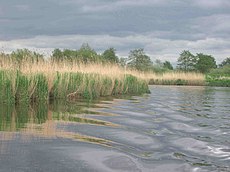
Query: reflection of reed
{"points": [[63, 118], [36, 122], [41, 123], [5, 137], [49, 130]]}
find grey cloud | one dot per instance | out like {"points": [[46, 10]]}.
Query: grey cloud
{"points": [[212, 26], [212, 3], [98, 17], [155, 47], [162, 27], [120, 4]]}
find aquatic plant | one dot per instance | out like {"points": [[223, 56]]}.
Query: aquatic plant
{"points": [[219, 77], [42, 81], [177, 78]]}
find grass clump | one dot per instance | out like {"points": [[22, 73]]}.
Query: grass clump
{"points": [[177, 78], [132, 85], [22, 88], [6, 88], [42, 81], [219, 77]]}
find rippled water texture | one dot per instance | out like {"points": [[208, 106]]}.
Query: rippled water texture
{"points": [[171, 129]]}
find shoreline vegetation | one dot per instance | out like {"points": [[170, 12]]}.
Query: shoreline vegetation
{"points": [[43, 81], [27, 76]]}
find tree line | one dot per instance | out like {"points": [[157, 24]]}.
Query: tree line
{"points": [[137, 59]]}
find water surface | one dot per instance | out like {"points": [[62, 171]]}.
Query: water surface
{"points": [[171, 129]]}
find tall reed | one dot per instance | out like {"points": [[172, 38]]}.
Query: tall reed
{"points": [[41, 81], [177, 78]]}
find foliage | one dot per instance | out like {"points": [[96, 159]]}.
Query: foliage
{"points": [[57, 55], [225, 62], [109, 55], [218, 82], [21, 55], [219, 76], [186, 61], [19, 88], [220, 72], [84, 54], [87, 54], [167, 65], [161, 67], [133, 86], [122, 61], [69, 55], [205, 63], [139, 60], [6, 88]]}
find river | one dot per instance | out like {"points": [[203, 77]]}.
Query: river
{"points": [[174, 128]]}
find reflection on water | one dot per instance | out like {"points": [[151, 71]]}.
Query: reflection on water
{"points": [[43, 120], [172, 129]]}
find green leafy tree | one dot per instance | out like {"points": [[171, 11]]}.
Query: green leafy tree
{"points": [[57, 55], [161, 67], [158, 66], [87, 54], [25, 54], [109, 55], [139, 60], [225, 62], [123, 61], [187, 61], [205, 63], [167, 65], [70, 55], [158, 63]]}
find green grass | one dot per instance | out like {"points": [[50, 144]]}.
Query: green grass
{"points": [[219, 77], [19, 88], [217, 81], [6, 89]]}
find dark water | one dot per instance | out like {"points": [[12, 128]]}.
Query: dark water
{"points": [[171, 129]]}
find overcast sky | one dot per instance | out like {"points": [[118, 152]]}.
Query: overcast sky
{"points": [[163, 28]]}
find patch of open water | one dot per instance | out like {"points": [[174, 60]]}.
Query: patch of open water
{"points": [[172, 129]]}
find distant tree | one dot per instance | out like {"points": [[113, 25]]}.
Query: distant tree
{"points": [[57, 55], [167, 65], [161, 67], [225, 62], [139, 60], [205, 63], [24, 54], [110, 55], [187, 61], [87, 54], [158, 66], [70, 55], [158, 63], [122, 61]]}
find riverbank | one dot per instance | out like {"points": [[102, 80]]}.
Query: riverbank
{"points": [[43, 81], [189, 78], [177, 78], [219, 77], [39, 80]]}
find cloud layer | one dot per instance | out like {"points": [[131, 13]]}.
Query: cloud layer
{"points": [[163, 27]]}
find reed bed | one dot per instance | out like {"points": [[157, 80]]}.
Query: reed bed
{"points": [[177, 78], [42, 81]]}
